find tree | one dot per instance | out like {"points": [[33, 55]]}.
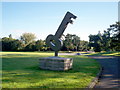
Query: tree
{"points": [[68, 42], [30, 47], [16, 45], [83, 45], [94, 41], [71, 42], [10, 36], [115, 36], [105, 41], [10, 44], [108, 41], [40, 45], [76, 42], [6, 43], [27, 38]]}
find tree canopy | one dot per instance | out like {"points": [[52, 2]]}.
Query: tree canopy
{"points": [[109, 40], [27, 38]]}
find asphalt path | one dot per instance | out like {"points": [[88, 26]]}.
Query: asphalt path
{"points": [[110, 77]]}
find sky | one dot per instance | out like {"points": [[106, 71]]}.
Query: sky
{"points": [[44, 18]]}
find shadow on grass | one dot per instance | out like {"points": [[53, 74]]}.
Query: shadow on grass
{"points": [[25, 69]]}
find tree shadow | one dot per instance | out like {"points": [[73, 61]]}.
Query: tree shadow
{"points": [[26, 69]]}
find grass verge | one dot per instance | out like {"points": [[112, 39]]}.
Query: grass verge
{"points": [[113, 53], [20, 70]]}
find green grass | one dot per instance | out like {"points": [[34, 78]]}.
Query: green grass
{"points": [[113, 53], [20, 70]]}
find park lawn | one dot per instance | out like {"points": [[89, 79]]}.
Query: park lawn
{"points": [[113, 53], [20, 70]]}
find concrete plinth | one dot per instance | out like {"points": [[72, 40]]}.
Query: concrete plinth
{"points": [[56, 63]]}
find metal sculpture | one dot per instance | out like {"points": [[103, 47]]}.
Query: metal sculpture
{"points": [[54, 41]]}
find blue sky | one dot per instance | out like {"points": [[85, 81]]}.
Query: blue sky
{"points": [[43, 18]]}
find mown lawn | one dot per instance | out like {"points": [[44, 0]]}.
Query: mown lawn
{"points": [[20, 70], [113, 53]]}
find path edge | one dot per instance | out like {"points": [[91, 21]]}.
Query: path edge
{"points": [[97, 78]]}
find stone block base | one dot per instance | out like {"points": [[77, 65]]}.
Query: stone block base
{"points": [[56, 63]]}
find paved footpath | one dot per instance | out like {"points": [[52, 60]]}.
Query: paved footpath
{"points": [[111, 71]]}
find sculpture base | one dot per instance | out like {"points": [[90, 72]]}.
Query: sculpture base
{"points": [[56, 63]]}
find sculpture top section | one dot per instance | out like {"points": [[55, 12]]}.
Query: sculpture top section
{"points": [[66, 20], [54, 41]]}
